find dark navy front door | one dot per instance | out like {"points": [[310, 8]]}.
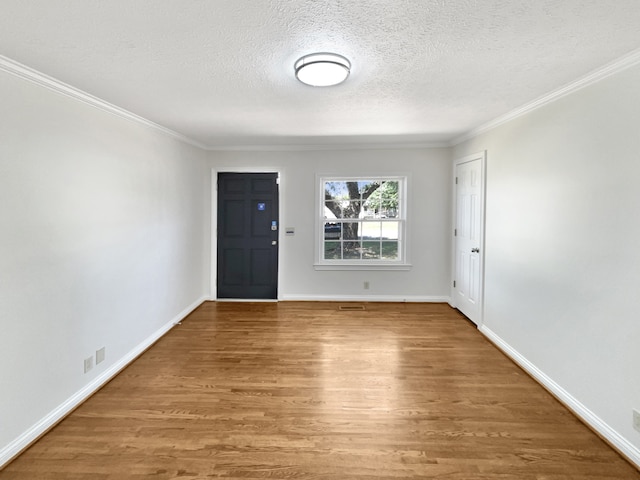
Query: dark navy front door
{"points": [[248, 227]]}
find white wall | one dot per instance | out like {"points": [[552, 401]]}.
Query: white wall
{"points": [[104, 227], [563, 248], [429, 220]]}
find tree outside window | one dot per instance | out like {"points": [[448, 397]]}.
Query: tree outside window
{"points": [[363, 220]]}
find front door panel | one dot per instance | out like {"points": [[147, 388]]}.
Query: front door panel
{"points": [[248, 227]]}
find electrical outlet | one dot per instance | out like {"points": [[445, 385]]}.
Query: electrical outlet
{"points": [[88, 364], [636, 419], [366, 285], [100, 354]]}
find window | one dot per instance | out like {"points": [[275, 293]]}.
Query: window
{"points": [[362, 222]]}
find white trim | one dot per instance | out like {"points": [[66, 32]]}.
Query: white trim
{"points": [[213, 271], [295, 297], [617, 66], [616, 440], [482, 156], [246, 300], [22, 71], [362, 266], [14, 448], [331, 146], [404, 181]]}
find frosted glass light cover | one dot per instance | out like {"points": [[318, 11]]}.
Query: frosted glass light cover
{"points": [[322, 69]]}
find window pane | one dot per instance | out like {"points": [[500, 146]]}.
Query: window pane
{"points": [[390, 230], [365, 187], [351, 230], [332, 231], [352, 209], [336, 191], [372, 203], [390, 250], [332, 210], [370, 250], [351, 251], [371, 230], [390, 199], [332, 251], [383, 202]]}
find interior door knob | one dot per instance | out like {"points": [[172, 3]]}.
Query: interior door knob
{"points": [[475, 250]]}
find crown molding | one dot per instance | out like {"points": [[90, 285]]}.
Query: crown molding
{"points": [[617, 66], [329, 146], [26, 73]]}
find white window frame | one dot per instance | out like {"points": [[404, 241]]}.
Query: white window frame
{"points": [[401, 263]]}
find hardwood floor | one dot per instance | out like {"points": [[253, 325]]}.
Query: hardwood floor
{"points": [[305, 390]]}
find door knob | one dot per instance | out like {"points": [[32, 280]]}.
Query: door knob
{"points": [[274, 242], [475, 250]]}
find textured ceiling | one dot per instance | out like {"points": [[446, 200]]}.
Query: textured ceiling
{"points": [[221, 71]]}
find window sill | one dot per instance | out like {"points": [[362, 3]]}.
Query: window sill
{"points": [[360, 266]]}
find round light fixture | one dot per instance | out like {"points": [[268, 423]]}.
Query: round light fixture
{"points": [[322, 69]]}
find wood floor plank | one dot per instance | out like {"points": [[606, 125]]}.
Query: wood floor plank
{"points": [[303, 390]]}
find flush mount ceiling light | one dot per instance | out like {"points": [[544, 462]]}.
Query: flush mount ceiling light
{"points": [[322, 69]]}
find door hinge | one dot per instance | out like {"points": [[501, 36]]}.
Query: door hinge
{"points": [[455, 232], [454, 284], [456, 180]]}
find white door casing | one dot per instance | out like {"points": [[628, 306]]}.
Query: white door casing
{"points": [[469, 236]]}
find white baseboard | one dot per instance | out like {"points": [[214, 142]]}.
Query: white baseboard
{"points": [[246, 300], [617, 441], [14, 448], [363, 298]]}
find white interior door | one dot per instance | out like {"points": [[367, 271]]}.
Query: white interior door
{"points": [[469, 226]]}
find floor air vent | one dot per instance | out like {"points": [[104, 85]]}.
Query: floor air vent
{"points": [[351, 307]]}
